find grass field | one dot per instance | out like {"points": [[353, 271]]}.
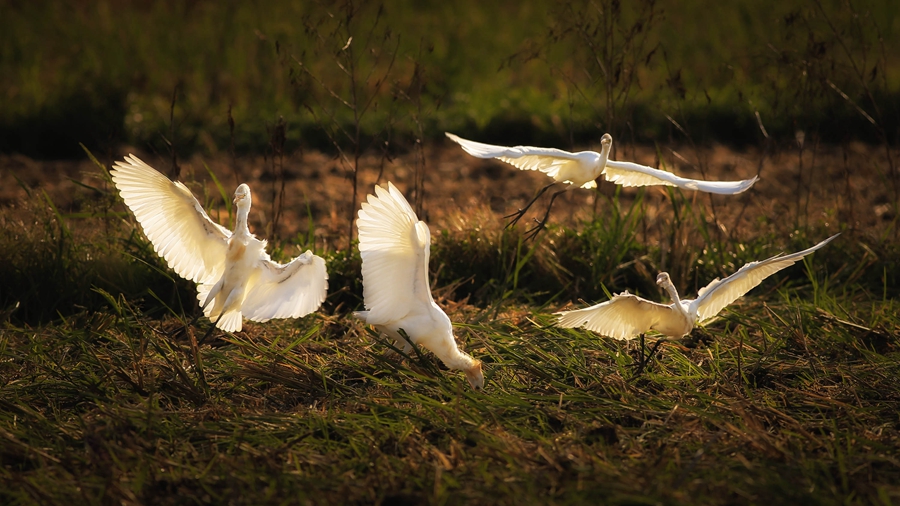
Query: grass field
{"points": [[792, 396]]}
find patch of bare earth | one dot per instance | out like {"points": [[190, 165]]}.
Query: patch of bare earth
{"points": [[817, 186]]}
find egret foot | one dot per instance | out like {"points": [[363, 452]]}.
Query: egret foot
{"points": [[531, 233], [518, 215], [521, 212], [542, 223]]}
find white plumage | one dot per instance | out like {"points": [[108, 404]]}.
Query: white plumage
{"points": [[394, 246], [583, 168], [627, 316], [235, 276]]}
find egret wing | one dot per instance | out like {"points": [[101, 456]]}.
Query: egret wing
{"points": [[394, 246], [291, 290], [721, 292], [547, 160], [625, 316], [180, 230], [633, 174]]}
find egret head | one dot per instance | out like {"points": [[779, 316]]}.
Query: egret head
{"points": [[663, 279], [605, 148], [475, 376], [242, 194]]}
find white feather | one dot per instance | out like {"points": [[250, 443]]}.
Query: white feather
{"points": [[286, 291], [394, 246], [633, 174], [173, 220], [626, 316], [721, 292], [582, 168], [235, 276]]}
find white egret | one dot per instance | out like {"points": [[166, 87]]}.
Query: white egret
{"points": [[235, 277], [580, 170], [394, 246], [626, 316]]}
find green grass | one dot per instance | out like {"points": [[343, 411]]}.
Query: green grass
{"points": [[788, 402], [790, 397]]}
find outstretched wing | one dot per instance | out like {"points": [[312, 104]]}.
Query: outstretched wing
{"points": [[394, 246], [180, 230], [633, 174], [550, 161], [286, 291], [722, 292], [625, 316]]}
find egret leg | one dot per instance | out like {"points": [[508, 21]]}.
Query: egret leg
{"points": [[210, 331], [645, 362], [532, 233], [521, 212]]}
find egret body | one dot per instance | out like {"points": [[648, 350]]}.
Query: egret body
{"points": [[394, 246], [580, 170], [627, 316], [235, 276]]}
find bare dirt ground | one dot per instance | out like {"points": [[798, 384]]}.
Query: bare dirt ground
{"points": [[828, 186]]}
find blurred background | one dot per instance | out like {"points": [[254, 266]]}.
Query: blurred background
{"points": [[220, 76]]}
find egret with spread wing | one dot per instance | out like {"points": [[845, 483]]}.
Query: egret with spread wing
{"points": [[235, 277], [580, 170], [394, 246], [627, 316]]}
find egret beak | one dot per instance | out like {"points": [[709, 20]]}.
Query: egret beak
{"points": [[475, 376]]}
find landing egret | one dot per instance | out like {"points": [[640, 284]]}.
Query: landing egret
{"points": [[235, 277], [394, 246], [583, 168], [626, 316]]}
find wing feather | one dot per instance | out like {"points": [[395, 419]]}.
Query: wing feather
{"points": [[633, 174], [625, 316], [291, 290], [173, 220], [721, 292], [394, 246], [550, 161]]}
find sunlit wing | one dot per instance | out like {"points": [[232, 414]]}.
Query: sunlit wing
{"points": [[547, 160], [394, 246], [625, 316], [291, 290], [633, 174], [722, 292], [173, 220]]}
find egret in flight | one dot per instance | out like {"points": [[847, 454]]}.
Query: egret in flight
{"points": [[580, 170], [626, 316], [235, 277], [394, 246]]}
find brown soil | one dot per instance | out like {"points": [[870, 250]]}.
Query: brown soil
{"points": [[827, 187]]}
